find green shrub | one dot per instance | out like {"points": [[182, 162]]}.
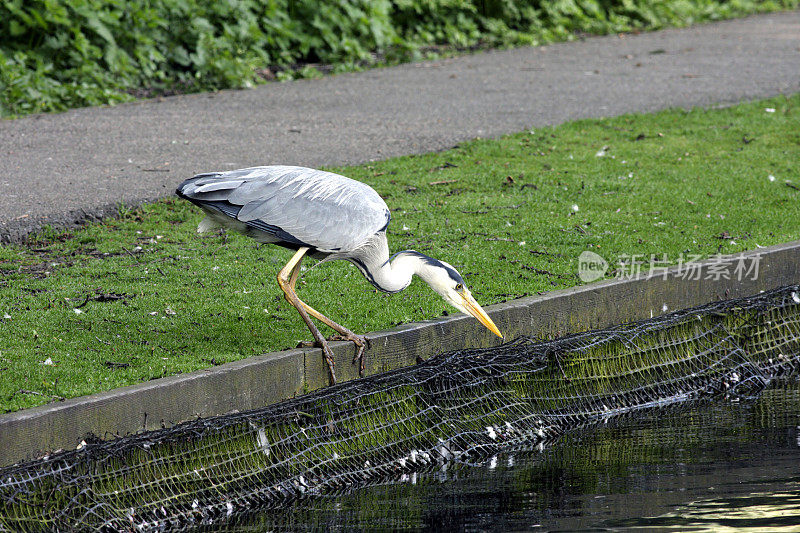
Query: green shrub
{"points": [[59, 54]]}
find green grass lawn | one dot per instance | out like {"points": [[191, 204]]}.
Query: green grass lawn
{"points": [[143, 296]]}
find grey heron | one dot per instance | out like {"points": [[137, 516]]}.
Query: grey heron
{"points": [[325, 216]]}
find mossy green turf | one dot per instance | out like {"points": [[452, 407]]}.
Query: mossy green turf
{"points": [[163, 299]]}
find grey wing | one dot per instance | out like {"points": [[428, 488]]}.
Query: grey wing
{"points": [[298, 206]]}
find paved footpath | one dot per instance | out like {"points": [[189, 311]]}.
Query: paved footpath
{"points": [[64, 168]]}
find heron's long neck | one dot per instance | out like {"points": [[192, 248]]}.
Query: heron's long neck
{"points": [[387, 275]]}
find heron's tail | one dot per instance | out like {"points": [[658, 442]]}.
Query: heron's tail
{"points": [[185, 189]]}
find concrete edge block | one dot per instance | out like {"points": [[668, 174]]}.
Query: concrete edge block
{"points": [[258, 381]]}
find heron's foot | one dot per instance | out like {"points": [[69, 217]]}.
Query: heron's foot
{"points": [[315, 344], [361, 342], [326, 351]]}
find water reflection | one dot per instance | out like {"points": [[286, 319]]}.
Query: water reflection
{"points": [[759, 511], [718, 466]]}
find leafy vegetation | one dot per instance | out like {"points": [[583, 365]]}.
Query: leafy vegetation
{"points": [[144, 296], [60, 54]]}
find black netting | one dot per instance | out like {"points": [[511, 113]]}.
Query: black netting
{"points": [[457, 407]]}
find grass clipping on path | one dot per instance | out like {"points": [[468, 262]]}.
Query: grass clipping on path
{"points": [[143, 296]]}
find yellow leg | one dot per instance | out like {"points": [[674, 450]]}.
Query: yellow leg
{"points": [[344, 334], [291, 297]]}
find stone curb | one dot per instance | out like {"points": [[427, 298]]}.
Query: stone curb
{"points": [[259, 381]]}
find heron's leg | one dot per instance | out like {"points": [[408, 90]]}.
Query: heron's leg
{"points": [[291, 297], [344, 334]]}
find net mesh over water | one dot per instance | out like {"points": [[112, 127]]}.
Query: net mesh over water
{"points": [[457, 407]]}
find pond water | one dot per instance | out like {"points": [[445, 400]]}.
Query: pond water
{"points": [[718, 466]]}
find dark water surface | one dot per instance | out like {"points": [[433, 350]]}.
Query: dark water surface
{"points": [[720, 466]]}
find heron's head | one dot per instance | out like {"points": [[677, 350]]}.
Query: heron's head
{"points": [[446, 280]]}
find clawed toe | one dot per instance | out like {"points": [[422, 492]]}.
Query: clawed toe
{"points": [[329, 359], [326, 351], [361, 342]]}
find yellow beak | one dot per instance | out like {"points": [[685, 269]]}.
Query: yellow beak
{"points": [[477, 311]]}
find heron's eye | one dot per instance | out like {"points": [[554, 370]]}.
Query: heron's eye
{"points": [[459, 287]]}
